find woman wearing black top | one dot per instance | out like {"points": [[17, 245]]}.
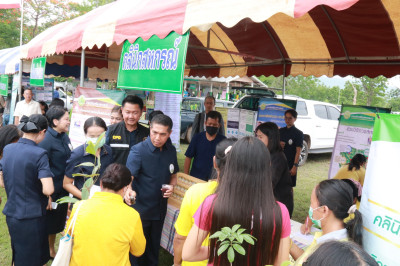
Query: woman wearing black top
{"points": [[58, 146], [268, 133]]}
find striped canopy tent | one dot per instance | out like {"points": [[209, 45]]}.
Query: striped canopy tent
{"points": [[10, 61], [236, 37]]}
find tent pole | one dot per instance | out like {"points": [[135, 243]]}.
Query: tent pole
{"points": [[283, 79], [20, 46], [82, 67]]}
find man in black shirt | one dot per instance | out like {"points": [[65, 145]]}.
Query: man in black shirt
{"points": [[291, 142], [123, 135]]}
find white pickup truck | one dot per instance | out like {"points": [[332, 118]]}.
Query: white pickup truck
{"points": [[317, 120]]}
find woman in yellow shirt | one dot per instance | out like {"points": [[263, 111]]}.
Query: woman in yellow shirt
{"points": [[107, 229], [331, 202], [354, 170]]}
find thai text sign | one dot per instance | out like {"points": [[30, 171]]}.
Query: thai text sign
{"points": [[37, 71], [380, 205], [154, 65], [354, 134], [4, 85]]}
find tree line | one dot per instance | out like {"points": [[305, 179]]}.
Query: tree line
{"points": [[357, 91]]}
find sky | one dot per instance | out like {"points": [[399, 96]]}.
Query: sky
{"points": [[340, 81]]}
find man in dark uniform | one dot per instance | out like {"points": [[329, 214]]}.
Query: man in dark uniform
{"points": [[123, 135], [152, 163], [291, 142]]}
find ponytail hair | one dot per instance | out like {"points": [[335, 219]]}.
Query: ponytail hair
{"points": [[357, 161], [221, 153], [33, 124], [337, 195]]}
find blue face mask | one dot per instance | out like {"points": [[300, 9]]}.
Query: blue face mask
{"points": [[310, 214]]}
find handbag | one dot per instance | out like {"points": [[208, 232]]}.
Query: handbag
{"points": [[64, 253]]}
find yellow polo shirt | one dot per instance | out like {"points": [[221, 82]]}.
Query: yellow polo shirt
{"points": [[106, 230], [357, 175], [194, 197]]}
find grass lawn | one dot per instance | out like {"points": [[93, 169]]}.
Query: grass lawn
{"points": [[315, 170]]}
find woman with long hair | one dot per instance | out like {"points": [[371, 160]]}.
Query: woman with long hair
{"points": [[244, 196], [28, 182], [58, 146], [355, 170], [194, 196], [331, 202], [268, 133]]}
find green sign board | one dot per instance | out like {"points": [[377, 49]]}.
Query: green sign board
{"points": [[154, 65], [4, 85], [37, 71]]}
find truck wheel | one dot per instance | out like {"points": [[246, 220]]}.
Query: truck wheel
{"points": [[303, 153], [189, 134]]}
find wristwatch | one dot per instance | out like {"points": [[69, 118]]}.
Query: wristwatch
{"points": [[296, 164]]}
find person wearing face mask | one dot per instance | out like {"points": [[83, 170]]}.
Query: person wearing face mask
{"points": [[93, 128], [202, 148], [331, 202], [106, 229], [28, 181]]}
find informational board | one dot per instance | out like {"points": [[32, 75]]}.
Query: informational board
{"points": [[380, 204], [14, 95], [43, 93], [4, 85], [273, 110], [154, 65], [37, 72], [246, 123], [232, 128], [354, 134], [224, 113], [170, 104], [88, 102]]}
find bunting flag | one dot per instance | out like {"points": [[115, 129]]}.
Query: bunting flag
{"points": [[6, 4]]}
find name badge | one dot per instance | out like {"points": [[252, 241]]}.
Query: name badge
{"points": [[171, 168], [290, 141]]}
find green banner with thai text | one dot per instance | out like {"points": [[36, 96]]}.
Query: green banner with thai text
{"points": [[37, 72], [4, 85], [154, 65]]}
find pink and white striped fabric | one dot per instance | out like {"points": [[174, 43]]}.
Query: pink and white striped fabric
{"points": [[6, 4], [236, 37]]}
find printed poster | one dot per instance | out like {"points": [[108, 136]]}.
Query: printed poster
{"points": [[224, 113], [4, 85], [354, 134], [170, 104], [273, 110], [154, 65], [37, 71], [246, 123], [14, 95], [87, 103], [232, 128], [380, 204]]}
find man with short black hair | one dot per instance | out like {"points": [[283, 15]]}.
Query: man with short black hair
{"points": [[152, 163], [292, 143], [200, 119], [123, 135], [202, 148], [26, 107]]}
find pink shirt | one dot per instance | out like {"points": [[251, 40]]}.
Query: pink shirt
{"points": [[207, 204]]}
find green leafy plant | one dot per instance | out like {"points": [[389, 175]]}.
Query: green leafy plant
{"points": [[231, 239], [91, 148]]}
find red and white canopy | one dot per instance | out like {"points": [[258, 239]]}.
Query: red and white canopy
{"points": [[236, 37]]}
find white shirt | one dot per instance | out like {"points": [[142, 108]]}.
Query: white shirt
{"points": [[24, 108], [335, 235]]}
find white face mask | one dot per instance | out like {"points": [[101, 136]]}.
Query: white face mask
{"points": [[94, 140]]}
